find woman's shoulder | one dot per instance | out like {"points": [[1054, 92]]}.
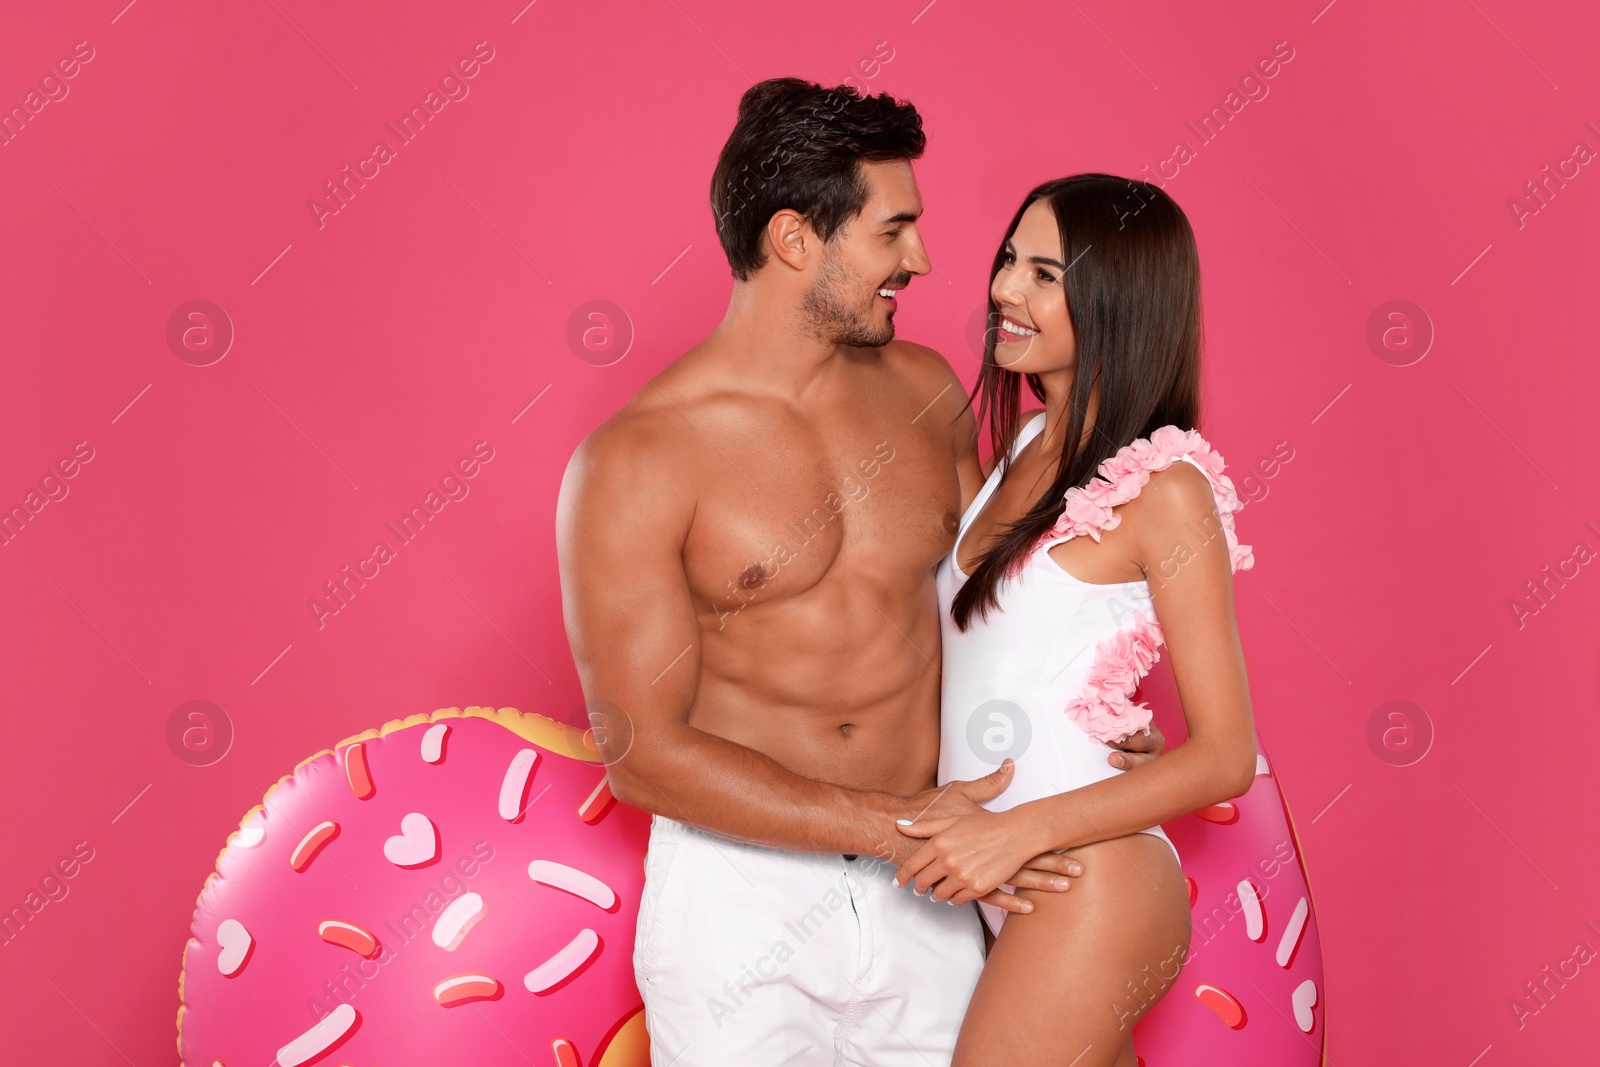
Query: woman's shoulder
{"points": [[1179, 481], [1174, 496], [1178, 484], [1151, 465], [1023, 419]]}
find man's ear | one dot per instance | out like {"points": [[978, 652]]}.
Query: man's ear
{"points": [[792, 238]]}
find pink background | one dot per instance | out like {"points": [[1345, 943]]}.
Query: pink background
{"points": [[432, 310]]}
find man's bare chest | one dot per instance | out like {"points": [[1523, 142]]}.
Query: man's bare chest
{"points": [[787, 514]]}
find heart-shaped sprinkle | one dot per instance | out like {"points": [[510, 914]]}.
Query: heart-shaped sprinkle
{"points": [[417, 843], [235, 942], [1304, 999]]}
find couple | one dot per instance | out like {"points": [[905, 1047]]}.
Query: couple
{"points": [[860, 681]]}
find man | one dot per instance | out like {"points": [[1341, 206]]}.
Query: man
{"points": [[747, 552]]}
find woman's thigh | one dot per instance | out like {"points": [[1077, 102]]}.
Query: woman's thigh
{"points": [[1066, 983]]}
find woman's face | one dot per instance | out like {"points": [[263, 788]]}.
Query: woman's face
{"points": [[1034, 335]]}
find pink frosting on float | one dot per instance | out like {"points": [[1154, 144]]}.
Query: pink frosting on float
{"points": [[1105, 709]]}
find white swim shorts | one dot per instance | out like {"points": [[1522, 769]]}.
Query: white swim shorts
{"points": [[757, 957]]}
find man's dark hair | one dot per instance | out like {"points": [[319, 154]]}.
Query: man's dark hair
{"points": [[797, 145]]}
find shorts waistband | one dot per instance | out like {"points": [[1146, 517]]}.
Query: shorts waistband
{"points": [[663, 824]]}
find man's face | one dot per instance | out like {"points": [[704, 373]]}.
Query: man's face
{"points": [[851, 300]]}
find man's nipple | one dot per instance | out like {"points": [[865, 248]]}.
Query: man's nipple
{"points": [[754, 576]]}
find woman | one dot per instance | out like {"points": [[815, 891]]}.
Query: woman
{"points": [[1095, 303]]}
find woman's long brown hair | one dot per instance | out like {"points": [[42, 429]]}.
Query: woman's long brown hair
{"points": [[1133, 297]]}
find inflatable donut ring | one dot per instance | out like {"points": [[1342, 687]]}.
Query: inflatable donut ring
{"points": [[1251, 991], [451, 888]]}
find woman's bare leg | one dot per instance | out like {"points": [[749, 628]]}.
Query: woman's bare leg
{"points": [[1065, 983]]}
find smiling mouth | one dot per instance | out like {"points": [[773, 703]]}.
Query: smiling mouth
{"points": [[1011, 330]]}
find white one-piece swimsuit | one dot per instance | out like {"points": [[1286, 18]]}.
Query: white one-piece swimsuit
{"points": [[1046, 678]]}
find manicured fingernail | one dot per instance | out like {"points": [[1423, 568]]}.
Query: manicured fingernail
{"points": [[904, 822], [1074, 869], [1116, 761], [1060, 883]]}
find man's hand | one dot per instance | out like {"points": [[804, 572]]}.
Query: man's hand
{"points": [[1052, 872], [1138, 749]]}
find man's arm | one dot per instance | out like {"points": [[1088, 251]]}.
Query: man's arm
{"points": [[622, 521]]}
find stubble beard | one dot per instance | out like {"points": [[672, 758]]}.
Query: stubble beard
{"points": [[830, 315]]}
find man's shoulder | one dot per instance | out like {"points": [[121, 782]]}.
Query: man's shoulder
{"points": [[641, 444], [932, 386], [918, 363], [926, 374], [627, 495]]}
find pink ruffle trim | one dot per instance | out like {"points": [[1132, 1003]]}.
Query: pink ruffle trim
{"points": [[1105, 709], [1089, 508]]}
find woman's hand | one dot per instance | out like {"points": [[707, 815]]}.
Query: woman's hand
{"points": [[1138, 748], [966, 857]]}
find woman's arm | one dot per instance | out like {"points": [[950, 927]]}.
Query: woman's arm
{"points": [[1191, 584]]}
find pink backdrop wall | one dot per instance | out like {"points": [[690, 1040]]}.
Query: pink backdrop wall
{"points": [[376, 345]]}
